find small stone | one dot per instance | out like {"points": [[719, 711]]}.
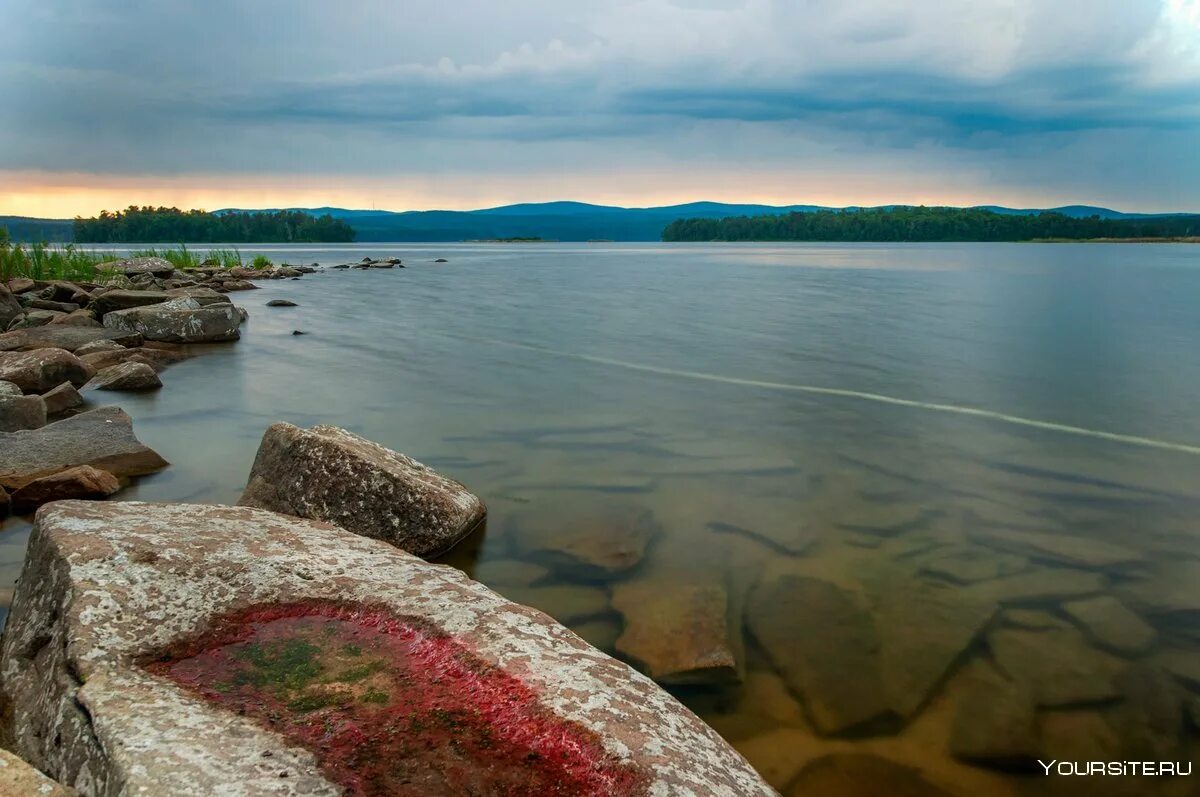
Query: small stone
{"points": [[281, 303], [679, 633], [298, 332], [83, 483], [441, 260], [1111, 626], [130, 376], [21, 412]]}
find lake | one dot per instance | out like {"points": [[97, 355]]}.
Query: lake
{"points": [[930, 484]]}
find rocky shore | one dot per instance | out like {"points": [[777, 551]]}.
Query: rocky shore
{"points": [[144, 637]]}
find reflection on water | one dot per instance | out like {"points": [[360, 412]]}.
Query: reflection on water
{"points": [[815, 575]]}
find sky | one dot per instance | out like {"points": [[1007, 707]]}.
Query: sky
{"points": [[421, 104]]}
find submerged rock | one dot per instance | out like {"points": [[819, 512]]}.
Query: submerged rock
{"points": [[1060, 548], [362, 670], [861, 775], [995, 722], [40, 370], [567, 603], [969, 564], [125, 376], [1110, 625], [589, 539], [102, 438], [1057, 666], [21, 412], [179, 321], [82, 482], [825, 644], [327, 473], [679, 633]]}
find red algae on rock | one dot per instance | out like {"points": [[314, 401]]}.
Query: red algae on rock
{"points": [[393, 706]]}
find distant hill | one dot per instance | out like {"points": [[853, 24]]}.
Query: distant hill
{"points": [[562, 221]]}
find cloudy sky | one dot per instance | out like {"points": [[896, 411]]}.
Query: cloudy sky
{"points": [[405, 104]]}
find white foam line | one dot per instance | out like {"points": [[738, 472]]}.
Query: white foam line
{"points": [[975, 412]]}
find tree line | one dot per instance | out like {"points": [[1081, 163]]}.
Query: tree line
{"points": [[172, 225], [925, 224]]}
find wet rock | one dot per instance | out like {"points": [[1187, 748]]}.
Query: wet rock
{"points": [[327, 473], [826, 647], [108, 585], [678, 633], [21, 412], [64, 337], [1039, 586], [925, 631], [1060, 548], [178, 321], [62, 398], [42, 369], [132, 376], [281, 303], [995, 722], [861, 775], [139, 266], [18, 779], [10, 308], [82, 482], [567, 603], [102, 438], [1111, 626], [238, 285], [1057, 666], [969, 564], [588, 539], [298, 332]]}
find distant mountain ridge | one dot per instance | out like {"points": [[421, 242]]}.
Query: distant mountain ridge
{"points": [[563, 220]]}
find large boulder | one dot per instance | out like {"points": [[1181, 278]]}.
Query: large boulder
{"points": [[64, 337], [10, 308], [125, 299], [42, 369], [18, 779], [178, 321], [196, 650], [327, 473], [125, 376], [102, 438], [21, 412], [134, 266]]}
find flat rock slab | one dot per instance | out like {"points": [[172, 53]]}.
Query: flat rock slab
{"points": [[1170, 589], [1056, 666], [679, 633], [586, 539], [995, 722], [18, 779], [1109, 624], [43, 369], [327, 473], [1066, 549], [154, 266], [825, 645], [179, 321], [133, 376], [129, 618], [1046, 585], [64, 337], [102, 438]]}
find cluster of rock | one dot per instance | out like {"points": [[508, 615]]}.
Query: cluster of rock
{"points": [[110, 591], [367, 262]]}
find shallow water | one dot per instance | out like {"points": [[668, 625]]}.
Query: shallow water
{"points": [[555, 380]]}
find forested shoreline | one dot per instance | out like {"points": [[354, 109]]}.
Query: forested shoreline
{"points": [[172, 225], [926, 224]]}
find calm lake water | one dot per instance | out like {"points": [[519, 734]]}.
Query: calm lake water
{"points": [[962, 555]]}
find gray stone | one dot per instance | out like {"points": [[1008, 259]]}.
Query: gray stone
{"points": [[585, 538], [40, 370], [281, 303], [108, 585], [62, 398], [21, 412], [861, 775], [826, 647], [1057, 666], [178, 321], [995, 722], [9, 389], [64, 337], [327, 473], [82, 482], [1060, 548], [97, 346], [18, 779], [102, 438], [678, 633], [125, 376], [1112, 626], [136, 266], [10, 308]]}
